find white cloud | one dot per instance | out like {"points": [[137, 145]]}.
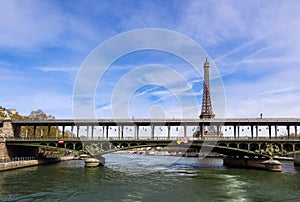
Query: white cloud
{"points": [[57, 69], [256, 47]]}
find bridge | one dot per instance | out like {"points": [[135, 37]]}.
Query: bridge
{"points": [[252, 137], [255, 137]]}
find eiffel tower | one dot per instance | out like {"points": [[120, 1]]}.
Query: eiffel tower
{"points": [[206, 111]]}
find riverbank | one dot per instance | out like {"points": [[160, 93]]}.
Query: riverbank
{"points": [[28, 163]]}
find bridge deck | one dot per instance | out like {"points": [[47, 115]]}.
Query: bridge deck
{"points": [[172, 122]]}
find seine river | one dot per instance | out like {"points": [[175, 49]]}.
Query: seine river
{"points": [[134, 177]]}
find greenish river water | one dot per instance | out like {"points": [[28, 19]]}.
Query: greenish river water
{"points": [[149, 178]]}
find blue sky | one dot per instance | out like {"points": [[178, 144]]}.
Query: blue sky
{"points": [[255, 45]]}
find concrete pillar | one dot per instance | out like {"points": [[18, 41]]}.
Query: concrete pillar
{"points": [[72, 131], [252, 132], [63, 132], [234, 132], [78, 128], [92, 132], [48, 131], [107, 128], [296, 131], [201, 131], [184, 130], [256, 131], [119, 132], [87, 131], [103, 130], [169, 132], [276, 131], [56, 132], [238, 129], [288, 131], [26, 131], [34, 131], [152, 132], [218, 131], [42, 130], [270, 131], [136, 132], [297, 159]]}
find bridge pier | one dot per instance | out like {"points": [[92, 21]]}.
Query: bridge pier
{"points": [[8, 152], [297, 159], [252, 163]]}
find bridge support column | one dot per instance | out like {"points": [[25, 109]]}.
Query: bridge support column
{"points": [[276, 131], [121, 132], [252, 132], [184, 130], [26, 131], [48, 131], [152, 132], [7, 129], [63, 132], [297, 159], [87, 131], [77, 131], [234, 132], [107, 128], [34, 131], [136, 132], [288, 131], [270, 165], [201, 131], [72, 130], [238, 129], [169, 132], [218, 131], [270, 131], [92, 132], [42, 131], [103, 130], [256, 131], [17, 131], [296, 131], [56, 132]]}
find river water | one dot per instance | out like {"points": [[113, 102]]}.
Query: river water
{"points": [[133, 177]]}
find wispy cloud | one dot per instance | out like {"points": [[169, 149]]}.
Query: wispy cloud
{"points": [[255, 46], [57, 69]]}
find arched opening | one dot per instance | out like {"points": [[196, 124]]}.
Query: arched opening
{"points": [[254, 147], [124, 145], [233, 145], [297, 147], [243, 146], [52, 144], [288, 147], [133, 145], [78, 146], [69, 145], [222, 144]]}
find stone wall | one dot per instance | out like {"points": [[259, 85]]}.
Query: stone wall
{"points": [[3, 150], [8, 152], [22, 164], [7, 129]]}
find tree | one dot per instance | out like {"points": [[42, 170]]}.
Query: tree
{"points": [[40, 115]]}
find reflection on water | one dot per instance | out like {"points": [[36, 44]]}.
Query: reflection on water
{"points": [[149, 178]]}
